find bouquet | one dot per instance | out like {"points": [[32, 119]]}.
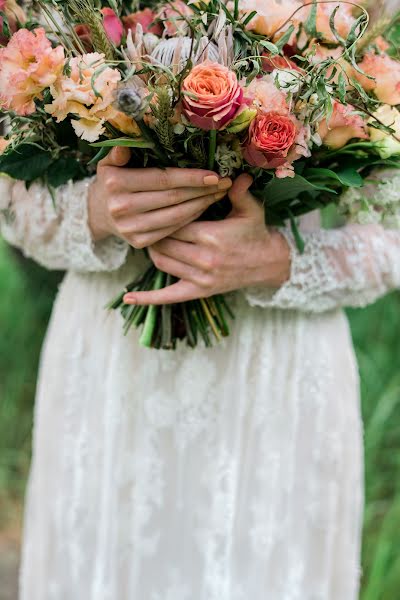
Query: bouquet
{"points": [[301, 95]]}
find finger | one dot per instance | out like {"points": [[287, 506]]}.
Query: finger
{"points": [[191, 233], [184, 252], [152, 179], [243, 202], [165, 217], [118, 157], [123, 204], [177, 268], [181, 291], [144, 240]]}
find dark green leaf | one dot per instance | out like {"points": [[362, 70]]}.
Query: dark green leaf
{"points": [[289, 188], [348, 177], [296, 234], [127, 142], [26, 162], [63, 170]]}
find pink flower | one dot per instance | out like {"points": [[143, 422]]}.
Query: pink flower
{"points": [[271, 62], [212, 96], [343, 126], [386, 74], [146, 19], [14, 14], [86, 93], [173, 17], [344, 20], [271, 15], [112, 25], [270, 139], [28, 65], [266, 97]]}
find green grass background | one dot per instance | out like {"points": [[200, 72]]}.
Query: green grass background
{"points": [[26, 293]]}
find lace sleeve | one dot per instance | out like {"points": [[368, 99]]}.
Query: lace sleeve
{"points": [[56, 233], [352, 266]]}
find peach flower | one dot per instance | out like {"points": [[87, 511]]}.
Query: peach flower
{"points": [[112, 25], [212, 96], [271, 15], [266, 97], [28, 65], [343, 126], [88, 93], [173, 17], [344, 20], [386, 74], [14, 14], [387, 144], [145, 18]]}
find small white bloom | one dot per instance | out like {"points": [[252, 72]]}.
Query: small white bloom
{"points": [[288, 80]]}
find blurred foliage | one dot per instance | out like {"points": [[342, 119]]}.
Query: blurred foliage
{"points": [[26, 295]]}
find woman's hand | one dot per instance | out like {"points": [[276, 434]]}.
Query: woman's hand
{"points": [[215, 257], [143, 206]]}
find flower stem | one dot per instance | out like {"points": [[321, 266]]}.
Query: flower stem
{"points": [[212, 148], [151, 318]]}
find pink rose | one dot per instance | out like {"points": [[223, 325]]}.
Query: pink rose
{"points": [[173, 17], [28, 65], [212, 96], [146, 19], [386, 74], [112, 25], [343, 126]]}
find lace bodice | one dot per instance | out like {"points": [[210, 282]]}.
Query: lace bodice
{"points": [[353, 265]]}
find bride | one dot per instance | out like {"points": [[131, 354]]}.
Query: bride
{"points": [[231, 473]]}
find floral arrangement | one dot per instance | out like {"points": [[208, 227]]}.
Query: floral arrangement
{"points": [[303, 96]]}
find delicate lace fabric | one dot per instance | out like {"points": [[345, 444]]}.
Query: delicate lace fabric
{"points": [[215, 474]]}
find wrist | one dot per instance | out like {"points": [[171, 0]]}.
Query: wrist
{"points": [[96, 215]]}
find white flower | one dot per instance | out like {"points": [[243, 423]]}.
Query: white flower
{"points": [[288, 80]]}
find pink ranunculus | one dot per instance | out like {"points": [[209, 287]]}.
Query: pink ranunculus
{"points": [[146, 18], [28, 65], [266, 97], [270, 139], [112, 25], [271, 15], [173, 17], [343, 126], [386, 74], [212, 96]]}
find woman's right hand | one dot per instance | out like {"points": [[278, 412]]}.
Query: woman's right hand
{"points": [[143, 206]]}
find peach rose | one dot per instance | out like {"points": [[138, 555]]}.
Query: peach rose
{"points": [[173, 17], [145, 18], [386, 74], [112, 26], [274, 142], [212, 96], [87, 93], [28, 65], [343, 126], [271, 15]]}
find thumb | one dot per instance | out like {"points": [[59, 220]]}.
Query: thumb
{"points": [[118, 157], [243, 202]]}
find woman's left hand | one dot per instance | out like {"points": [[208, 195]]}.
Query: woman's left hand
{"points": [[213, 257]]}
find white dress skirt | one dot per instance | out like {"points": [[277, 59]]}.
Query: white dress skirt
{"points": [[230, 473]]}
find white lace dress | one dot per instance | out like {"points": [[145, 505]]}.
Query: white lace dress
{"points": [[231, 473]]}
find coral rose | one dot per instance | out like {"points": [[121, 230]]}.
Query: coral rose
{"points": [[212, 96], [343, 126], [28, 65], [112, 26], [146, 18], [270, 139], [386, 74]]}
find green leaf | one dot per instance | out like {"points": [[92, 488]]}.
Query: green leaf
{"points": [[63, 170], [339, 38], [311, 24], [289, 188], [296, 234], [270, 46], [126, 142], [26, 162], [285, 38], [348, 177]]}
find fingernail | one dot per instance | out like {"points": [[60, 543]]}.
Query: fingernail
{"points": [[210, 180], [224, 184], [220, 195], [128, 299]]}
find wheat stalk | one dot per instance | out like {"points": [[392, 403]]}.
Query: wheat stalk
{"points": [[86, 12]]}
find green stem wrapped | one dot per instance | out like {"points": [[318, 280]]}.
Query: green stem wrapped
{"points": [[151, 318], [212, 149]]}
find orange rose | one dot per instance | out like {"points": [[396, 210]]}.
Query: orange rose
{"points": [[271, 136]]}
